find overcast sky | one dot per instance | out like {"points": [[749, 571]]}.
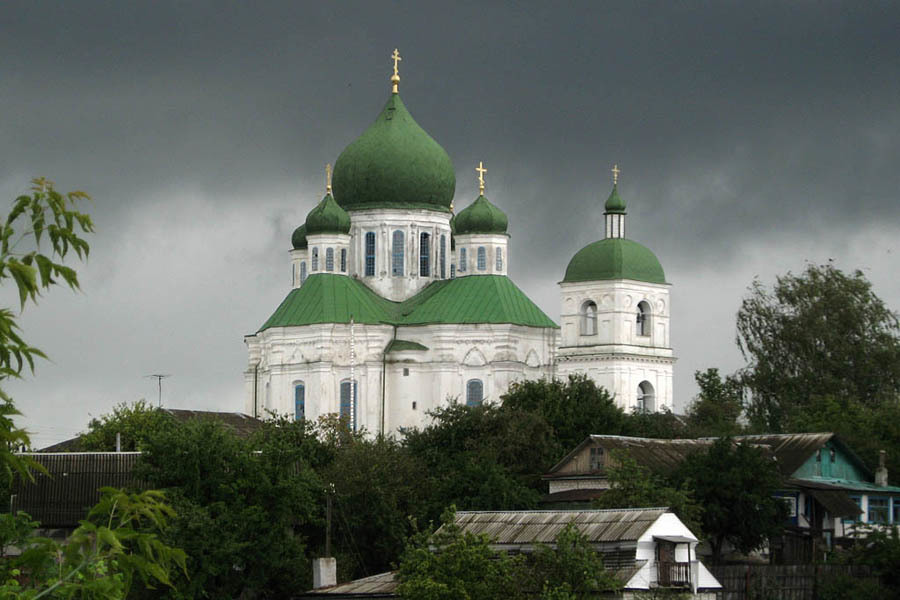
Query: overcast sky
{"points": [[752, 138]]}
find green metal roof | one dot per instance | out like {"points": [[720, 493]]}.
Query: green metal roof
{"points": [[298, 238], [615, 258], [330, 298], [327, 217], [401, 345], [480, 217], [394, 163], [615, 204]]}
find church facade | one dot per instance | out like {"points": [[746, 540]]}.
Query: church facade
{"points": [[399, 306]]}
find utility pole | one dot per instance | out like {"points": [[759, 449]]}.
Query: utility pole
{"points": [[159, 377]]}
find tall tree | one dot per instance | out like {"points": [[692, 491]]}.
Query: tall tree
{"points": [[133, 423], [817, 333], [718, 406]]}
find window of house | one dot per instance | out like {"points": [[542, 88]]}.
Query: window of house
{"points": [[860, 516], [879, 510], [315, 259], [299, 401], [499, 259], [343, 260], [442, 251], [482, 258], [643, 319], [370, 254], [348, 406], [329, 259], [474, 392], [596, 459], [646, 398], [462, 260], [424, 255], [302, 272], [397, 253], [589, 318], [895, 516]]}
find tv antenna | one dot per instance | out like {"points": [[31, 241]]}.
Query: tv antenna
{"points": [[159, 377]]}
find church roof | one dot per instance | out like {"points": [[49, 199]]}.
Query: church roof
{"points": [[480, 217], [615, 258], [327, 217], [614, 204], [329, 298]]}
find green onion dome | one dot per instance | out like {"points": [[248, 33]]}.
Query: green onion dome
{"points": [[615, 258], [327, 217], [395, 163], [614, 204], [298, 238], [480, 217]]}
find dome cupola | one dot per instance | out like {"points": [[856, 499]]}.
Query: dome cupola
{"points": [[327, 217], [480, 217], [298, 238]]}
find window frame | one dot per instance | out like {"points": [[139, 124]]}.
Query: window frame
{"points": [[462, 260], [886, 506], [352, 402], [588, 319], [303, 274], [442, 256], [424, 254], [643, 395], [315, 259], [481, 259], [643, 319], [343, 260], [329, 259], [469, 389], [300, 387], [498, 259], [369, 254], [398, 253]]}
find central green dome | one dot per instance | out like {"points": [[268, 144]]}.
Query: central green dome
{"points": [[395, 163], [615, 258]]}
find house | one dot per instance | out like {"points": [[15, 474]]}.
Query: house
{"points": [[648, 548], [829, 490]]}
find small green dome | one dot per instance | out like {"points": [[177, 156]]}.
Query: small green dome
{"points": [[480, 217], [395, 163], [327, 217], [615, 258], [615, 204], [298, 238]]}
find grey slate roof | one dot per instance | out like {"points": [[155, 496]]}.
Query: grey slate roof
{"points": [[383, 584]]}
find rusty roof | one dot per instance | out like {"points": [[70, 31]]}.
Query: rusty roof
{"points": [[381, 585], [523, 528], [657, 454]]}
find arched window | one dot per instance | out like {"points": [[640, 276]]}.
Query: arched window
{"points": [[329, 259], [343, 260], [397, 254], [643, 318], [499, 259], [589, 318], [299, 401], [348, 406], [424, 255], [302, 272], [443, 256], [646, 398], [462, 260], [370, 254], [474, 392], [482, 258], [315, 259]]}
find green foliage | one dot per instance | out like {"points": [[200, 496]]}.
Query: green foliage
{"points": [[568, 569], [136, 422], [718, 406], [735, 485], [878, 548], [662, 424], [820, 333], [634, 486], [455, 565]]}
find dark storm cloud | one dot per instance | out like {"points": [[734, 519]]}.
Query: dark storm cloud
{"points": [[750, 136]]}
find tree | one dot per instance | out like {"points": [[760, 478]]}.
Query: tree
{"points": [[735, 485], [135, 423], [634, 486], [819, 333], [570, 569], [718, 406]]}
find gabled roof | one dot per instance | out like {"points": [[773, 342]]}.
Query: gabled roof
{"points": [[241, 424], [542, 526], [793, 449], [653, 453]]}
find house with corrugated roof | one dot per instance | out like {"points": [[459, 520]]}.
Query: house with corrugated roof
{"points": [[399, 305], [830, 492]]}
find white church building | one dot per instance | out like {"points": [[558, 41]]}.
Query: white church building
{"points": [[398, 306]]}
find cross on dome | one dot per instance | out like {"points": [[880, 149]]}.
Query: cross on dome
{"points": [[327, 178], [395, 78], [481, 171], [615, 172]]}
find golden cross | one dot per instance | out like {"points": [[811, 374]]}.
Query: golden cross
{"points": [[327, 178], [395, 79], [615, 172], [481, 171]]}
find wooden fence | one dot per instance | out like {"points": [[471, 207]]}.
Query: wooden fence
{"points": [[781, 582]]}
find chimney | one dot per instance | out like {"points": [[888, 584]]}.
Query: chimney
{"points": [[881, 474], [324, 572]]}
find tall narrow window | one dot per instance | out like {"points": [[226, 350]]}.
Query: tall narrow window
{"points": [[482, 258], [293, 276], [474, 392], [589, 318], [425, 255], [302, 272], [499, 259], [343, 260], [397, 253], [452, 271], [643, 318], [443, 256], [348, 405], [329, 259], [370, 254], [462, 260], [646, 398], [299, 401], [315, 259]]}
